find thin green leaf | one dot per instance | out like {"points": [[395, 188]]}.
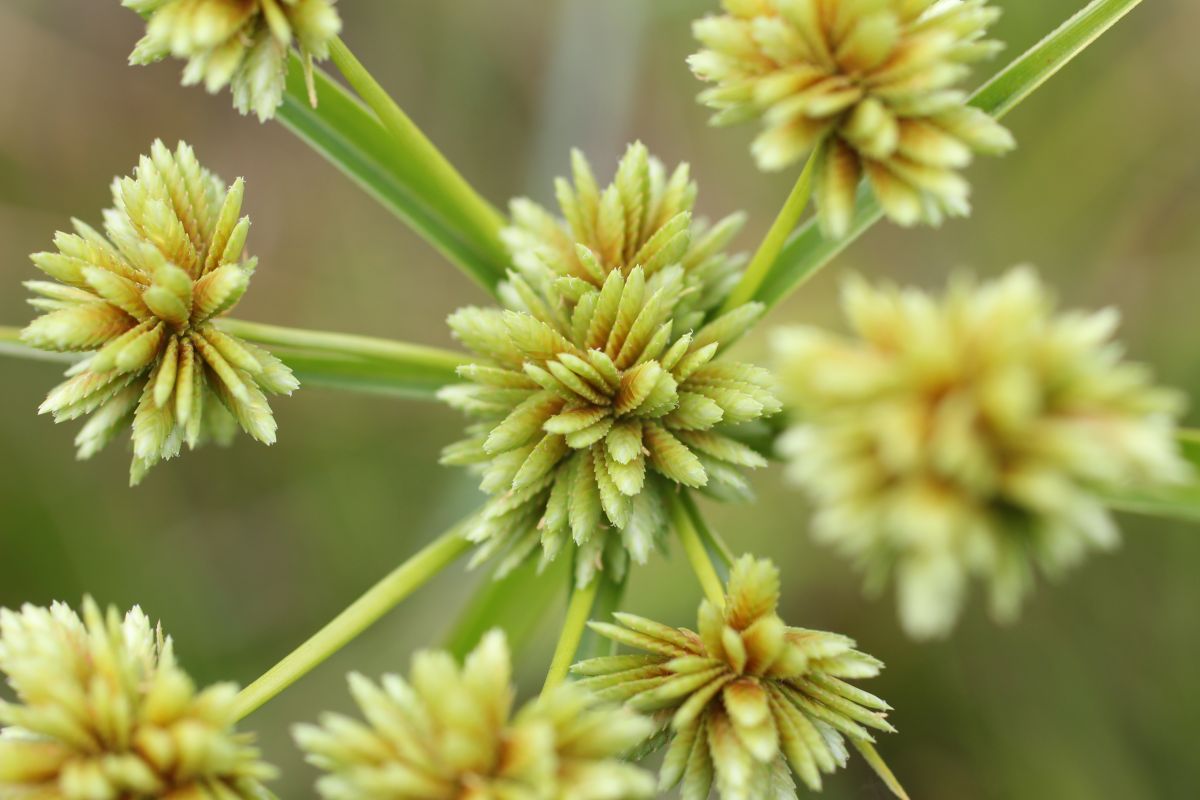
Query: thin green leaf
{"points": [[516, 604], [349, 136], [608, 602], [808, 250], [1173, 502]]}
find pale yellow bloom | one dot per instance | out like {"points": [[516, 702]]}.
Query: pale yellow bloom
{"points": [[103, 712], [238, 43], [448, 733], [969, 435], [140, 299], [875, 81], [750, 701]]}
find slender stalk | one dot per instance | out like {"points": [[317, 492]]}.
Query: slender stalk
{"points": [[440, 185], [697, 555], [578, 612], [785, 222], [11, 345], [360, 615], [713, 542]]}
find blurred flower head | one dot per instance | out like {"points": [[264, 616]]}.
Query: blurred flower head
{"points": [[238, 43], [871, 83], [969, 435], [750, 701], [140, 299], [448, 733], [103, 711], [596, 388]]}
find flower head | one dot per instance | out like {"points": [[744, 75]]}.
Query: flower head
{"points": [[969, 435], [103, 711], [597, 388], [243, 43], [448, 733], [749, 699], [141, 299], [870, 82]]}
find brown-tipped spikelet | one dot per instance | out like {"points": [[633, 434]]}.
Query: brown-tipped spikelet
{"points": [[448, 733], [749, 701], [596, 387], [969, 435], [103, 712], [140, 299], [243, 43], [871, 82]]}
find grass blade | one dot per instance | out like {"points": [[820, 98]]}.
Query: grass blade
{"points": [[808, 250]]}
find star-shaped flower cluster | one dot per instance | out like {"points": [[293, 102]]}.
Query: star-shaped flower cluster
{"points": [[749, 700], [140, 300], [598, 387], [872, 82]]}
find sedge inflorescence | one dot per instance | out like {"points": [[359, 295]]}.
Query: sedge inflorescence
{"points": [[104, 711], [449, 733], [748, 700], [140, 300], [597, 387], [238, 43], [970, 435], [870, 84]]}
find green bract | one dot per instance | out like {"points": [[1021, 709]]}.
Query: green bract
{"points": [[103, 711], [141, 299], [243, 43], [749, 700], [597, 387], [872, 82], [448, 733], [969, 435]]}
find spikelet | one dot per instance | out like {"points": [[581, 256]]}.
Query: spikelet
{"points": [[749, 703], [874, 80], [103, 711], [968, 435], [596, 388], [448, 733], [140, 300], [238, 43]]}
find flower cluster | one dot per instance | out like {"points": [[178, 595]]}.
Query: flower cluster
{"points": [[750, 700], [141, 299], [448, 733], [103, 711], [969, 435], [596, 387], [238, 43], [872, 84]]}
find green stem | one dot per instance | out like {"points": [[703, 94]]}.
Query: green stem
{"points": [[808, 251], [435, 179], [697, 555], [11, 345], [578, 612], [360, 615], [713, 543], [785, 222]]}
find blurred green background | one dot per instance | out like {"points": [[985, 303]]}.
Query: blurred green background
{"points": [[244, 552]]}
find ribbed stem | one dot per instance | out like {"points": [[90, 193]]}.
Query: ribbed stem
{"points": [[360, 615], [578, 612]]}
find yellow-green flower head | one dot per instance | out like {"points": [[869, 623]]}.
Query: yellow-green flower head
{"points": [[238, 43], [968, 435], [103, 712], [872, 81], [448, 733], [750, 701], [596, 388], [140, 300]]}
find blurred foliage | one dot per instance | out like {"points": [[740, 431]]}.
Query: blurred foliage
{"points": [[1091, 695]]}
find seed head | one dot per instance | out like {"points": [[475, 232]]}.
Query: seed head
{"points": [[243, 43], [873, 80], [596, 387], [968, 435], [103, 711], [750, 701], [448, 733], [141, 299]]}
